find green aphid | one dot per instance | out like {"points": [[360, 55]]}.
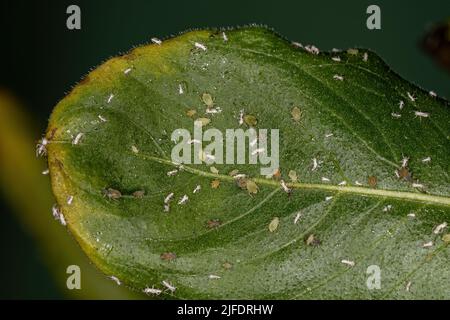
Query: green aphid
{"points": [[251, 186], [208, 100], [293, 176], [296, 114], [273, 225], [250, 120]]}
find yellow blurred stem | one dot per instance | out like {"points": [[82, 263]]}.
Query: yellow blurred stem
{"points": [[29, 194]]}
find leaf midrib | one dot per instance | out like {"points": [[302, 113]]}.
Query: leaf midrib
{"points": [[395, 194]]}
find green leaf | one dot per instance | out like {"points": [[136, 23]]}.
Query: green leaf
{"points": [[111, 137]]}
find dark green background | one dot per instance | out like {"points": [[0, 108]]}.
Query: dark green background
{"points": [[41, 60]]}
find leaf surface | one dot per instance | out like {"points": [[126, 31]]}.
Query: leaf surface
{"points": [[341, 130]]}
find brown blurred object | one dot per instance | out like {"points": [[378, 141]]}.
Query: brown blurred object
{"points": [[29, 194], [437, 44]]}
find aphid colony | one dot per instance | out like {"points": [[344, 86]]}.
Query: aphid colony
{"points": [[241, 180]]}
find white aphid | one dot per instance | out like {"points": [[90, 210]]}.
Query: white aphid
{"points": [[411, 215], [184, 199], [297, 44], [168, 197], [69, 200], [284, 186], [440, 228], [432, 94], [41, 147], [348, 262], [77, 139], [396, 115], [62, 220], [56, 212], [328, 135], [427, 244], [358, 183], [102, 119], [213, 276], [169, 286], [337, 59], [365, 56], [411, 97], [213, 110], [421, 114], [197, 189], [111, 96], [45, 172], [224, 36], [387, 208], [312, 49], [328, 198], [259, 150], [316, 164], [408, 286], [199, 45], [241, 117], [126, 71], [152, 291], [405, 162], [324, 179], [116, 280], [401, 104], [342, 183], [297, 217], [417, 185], [156, 41], [180, 89], [58, 215], [427, 159], [338, 77], [172, 172], [166, 207]]}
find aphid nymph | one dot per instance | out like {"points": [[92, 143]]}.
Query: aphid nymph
{"points": [[112, 194], [169, 286]]}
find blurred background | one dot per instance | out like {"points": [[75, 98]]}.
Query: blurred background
{"points": [[41, 60]]}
